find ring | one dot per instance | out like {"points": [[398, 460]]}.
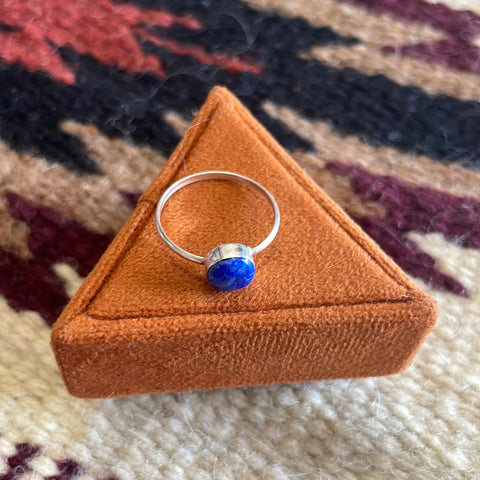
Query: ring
{"points": [[229, 266]]}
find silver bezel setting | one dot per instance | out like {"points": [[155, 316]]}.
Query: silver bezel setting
{"points": [[227, 251]]}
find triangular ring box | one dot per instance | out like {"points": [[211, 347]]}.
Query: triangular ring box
{"points": [[326, 302]]}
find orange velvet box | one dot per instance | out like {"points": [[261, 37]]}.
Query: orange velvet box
{"points": [[325, 303]]}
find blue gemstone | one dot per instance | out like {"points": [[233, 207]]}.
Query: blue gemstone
{"points": [[231, 273]]}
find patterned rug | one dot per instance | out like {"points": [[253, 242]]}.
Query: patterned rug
{"points": [[378, 100]]}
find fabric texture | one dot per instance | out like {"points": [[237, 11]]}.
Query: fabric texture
{"points": [[376, 100]]}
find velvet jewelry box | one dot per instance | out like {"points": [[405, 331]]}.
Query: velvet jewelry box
{"points": [[325, 303]]}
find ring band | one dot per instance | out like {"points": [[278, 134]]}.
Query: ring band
{"points": [[229, 266]]}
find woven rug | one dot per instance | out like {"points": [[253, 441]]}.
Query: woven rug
{"points": [[378, 100]]}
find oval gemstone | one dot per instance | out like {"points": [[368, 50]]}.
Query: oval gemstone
{"points": [[231, 273]]}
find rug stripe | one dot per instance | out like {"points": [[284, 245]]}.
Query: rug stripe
{"points": [[414, 170], [347, 98], [455, 22], [379, 110], [421, 210], [91, 200], [455, 52], [433, 79], [351, 21], [32, 284]]}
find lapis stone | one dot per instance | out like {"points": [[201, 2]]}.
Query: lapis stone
{"points": [[231, 273]]}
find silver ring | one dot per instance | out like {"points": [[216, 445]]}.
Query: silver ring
{"points": [[229, 266]]}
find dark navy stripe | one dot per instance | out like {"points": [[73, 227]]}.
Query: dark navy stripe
{"points": [[375, 109], [31, 107], [378, 110]]}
